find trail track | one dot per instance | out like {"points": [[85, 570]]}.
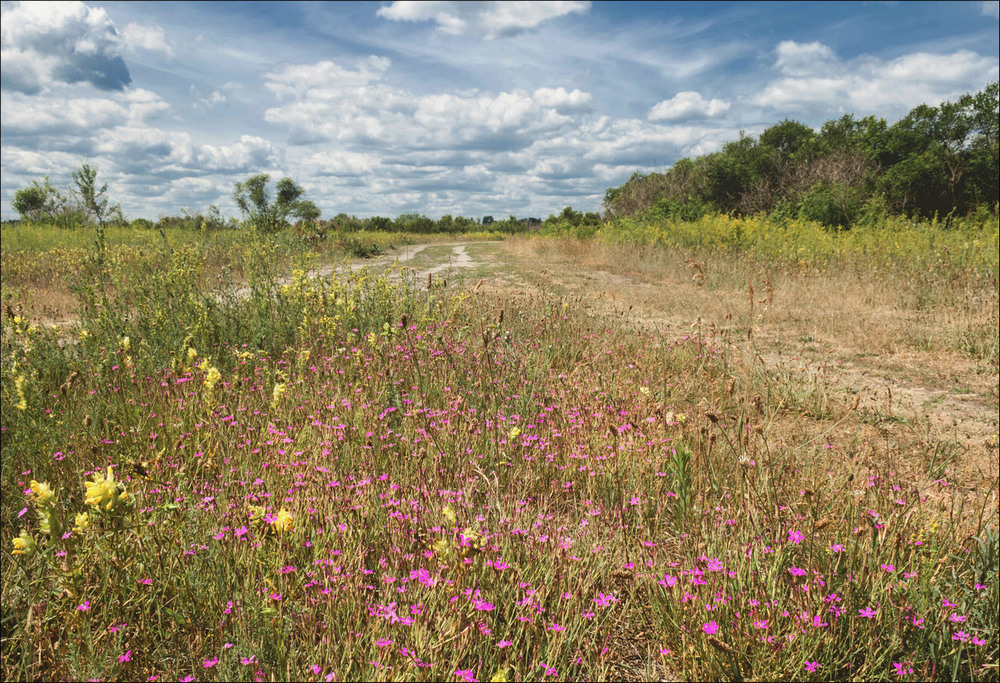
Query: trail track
{"points": [[944, 395]]}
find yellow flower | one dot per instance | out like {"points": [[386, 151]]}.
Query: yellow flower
{"points": [[25, 544], [191, 354], [514, 433], [279, 390], [43, 493], [212, 378], [81, 522], [126, 343], [449, 512], [104, 489], [283, 521]]}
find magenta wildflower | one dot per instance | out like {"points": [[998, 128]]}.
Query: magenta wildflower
{"points": [[902, 669], [466, 675], [796, 571], [505, 643], [710, 628], [961, 635], [796, 536], [384, 642], [209, 663], [84, 607], [957, 618], [813, 667], [978, 641], [316, 668], [127, 657], [760, 623], [867, 612], [603, 600]]}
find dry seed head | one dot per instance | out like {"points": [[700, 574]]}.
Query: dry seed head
{"points": [[719, 645]]}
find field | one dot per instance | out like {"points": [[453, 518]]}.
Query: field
{"points": [[741, 451]]}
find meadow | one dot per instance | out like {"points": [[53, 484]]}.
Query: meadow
{"points": [[218, 467]]}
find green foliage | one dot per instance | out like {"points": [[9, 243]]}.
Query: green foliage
{"points": [[38, 201], [935, 161], [95, 199], [253, 197]]}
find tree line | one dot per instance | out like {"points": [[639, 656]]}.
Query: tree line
{"points": [[939, 160]]}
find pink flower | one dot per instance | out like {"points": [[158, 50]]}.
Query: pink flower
{"points": [[837, 548], [957, 618], [384, 642], [603, 600], [664, 651], [795, 571], [710, 628], [902, 669], [888, 567], [84, 607], [961, 635], [867, 612], [978, 641], [209, 663], [316, 668], [796, 536], [556, 627], [127, 657], [760, 623], [505, 643], [812, 667], [187, 679], [276, 596], [246, 661]]}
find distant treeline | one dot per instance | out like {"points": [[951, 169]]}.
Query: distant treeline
{"points": [[935, 161]]}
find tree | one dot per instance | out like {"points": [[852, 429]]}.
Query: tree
{"points": [[95, 201], [253, 197], [38, 201]]}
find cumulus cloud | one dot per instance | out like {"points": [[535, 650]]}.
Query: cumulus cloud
{"points": [[563, 101], [814, 80], [138, 37], [59, 42], [685, 106], [485, 19], [354, 105]]}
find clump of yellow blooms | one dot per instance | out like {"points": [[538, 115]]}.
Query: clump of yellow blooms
{"points": [[25, 544], [104, 492], [44, 495], [284, 521], [19, 383], [277, 393], [81, 523]]}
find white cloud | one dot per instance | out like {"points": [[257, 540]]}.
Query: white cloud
{"points": [[59, 42], [151, 38], [815, 80], [562, 101], [687, 105], [56, 115], [990, 8], [800, 59], [484, 19]]}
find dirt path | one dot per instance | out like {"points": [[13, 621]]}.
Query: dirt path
{"points": [[942, 394]]}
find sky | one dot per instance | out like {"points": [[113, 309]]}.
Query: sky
{"points": [[462, 108]]}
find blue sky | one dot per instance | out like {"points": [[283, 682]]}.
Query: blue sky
{"points": [[382, 108]]}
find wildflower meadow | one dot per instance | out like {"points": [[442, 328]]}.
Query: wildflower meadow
{"points": [[224, 467]]}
